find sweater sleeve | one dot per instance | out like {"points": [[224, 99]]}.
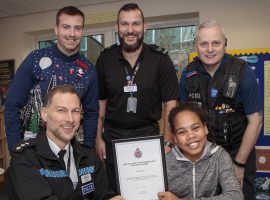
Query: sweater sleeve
{"points": [[90, 108], [230, 186], [18, 94]]}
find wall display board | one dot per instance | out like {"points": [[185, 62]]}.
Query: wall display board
{"points": [[6, 76], [259, 61]]}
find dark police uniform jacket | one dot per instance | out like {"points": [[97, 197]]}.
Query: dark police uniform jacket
{"points": [[36, 173], [227, 120]]}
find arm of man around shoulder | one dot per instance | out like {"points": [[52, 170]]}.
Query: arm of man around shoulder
{"points": [[168, 136], [248, 142], [90, 107], [100, 144]]}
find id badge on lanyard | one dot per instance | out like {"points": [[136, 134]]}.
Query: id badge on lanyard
{"points": [[131, 88], [132, 104]]}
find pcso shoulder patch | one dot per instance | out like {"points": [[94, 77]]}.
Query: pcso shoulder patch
{"points": [[88, 188], [190, 74]]}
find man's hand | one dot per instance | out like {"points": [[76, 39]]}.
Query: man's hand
{"points": [[239, 172], [100, 148], [118, 197], [167, 196], [167, 149], [100, 144], [168, 135]]}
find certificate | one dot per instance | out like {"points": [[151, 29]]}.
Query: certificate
{"points": [[140, 167]]}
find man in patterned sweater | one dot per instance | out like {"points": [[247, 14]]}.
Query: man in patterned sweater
{"points": [[44, 69]]}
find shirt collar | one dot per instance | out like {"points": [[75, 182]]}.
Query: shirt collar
{"points": [[180, 156], [224, 60], [55, 149], [140, 57], [65, 57]]}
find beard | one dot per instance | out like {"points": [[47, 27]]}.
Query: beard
{"points": [[133, 47]]}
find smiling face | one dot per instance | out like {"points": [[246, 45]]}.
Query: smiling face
{"points": [[69, 33], [62, 117], [131, 29], [190, 134], [211, 46]]}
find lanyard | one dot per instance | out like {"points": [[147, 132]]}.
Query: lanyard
{"points": [[129, 79]]}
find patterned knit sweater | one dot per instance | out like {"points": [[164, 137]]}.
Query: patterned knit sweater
{"points": [[42, 70]]}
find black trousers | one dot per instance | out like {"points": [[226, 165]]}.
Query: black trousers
{"points": [[249, 187], [112, 133]]}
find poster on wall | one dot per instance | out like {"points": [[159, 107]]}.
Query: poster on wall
{"points": [[6, 76], [259, 61]]}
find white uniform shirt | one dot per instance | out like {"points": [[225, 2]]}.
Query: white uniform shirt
{"points": [[73, 171]]}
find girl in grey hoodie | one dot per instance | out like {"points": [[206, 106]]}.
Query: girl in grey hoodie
{"points": [[197, 168]]}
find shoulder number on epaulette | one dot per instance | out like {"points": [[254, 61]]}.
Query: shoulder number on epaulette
{"points": [[158, 49]]}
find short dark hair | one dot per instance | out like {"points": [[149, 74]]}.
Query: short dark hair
{"points": [[187, 107], [69, 10], [63, 89], [129, 7], [192, 107]]}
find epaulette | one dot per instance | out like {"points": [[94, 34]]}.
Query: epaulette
{"points": [[158, 49], [25, 144], [109, 48]]}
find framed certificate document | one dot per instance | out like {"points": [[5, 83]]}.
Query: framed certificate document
{"points": [[140, 167]]}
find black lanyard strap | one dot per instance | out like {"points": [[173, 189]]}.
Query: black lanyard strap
{"points": [[131, 79]]}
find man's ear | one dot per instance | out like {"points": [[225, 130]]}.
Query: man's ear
{"points": [[43, 114], [144, 27], [116, 27], [174, 139], [56, 30]]}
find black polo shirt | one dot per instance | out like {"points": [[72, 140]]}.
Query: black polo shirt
{"points": [[156, 82]]}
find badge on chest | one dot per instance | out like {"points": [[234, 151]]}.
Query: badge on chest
{"points": [[130, 88]]}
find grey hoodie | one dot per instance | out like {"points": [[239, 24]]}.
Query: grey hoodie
{"points": [[200, 180]]}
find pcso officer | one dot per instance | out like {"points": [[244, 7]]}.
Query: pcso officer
{"points": [[228, 89]]}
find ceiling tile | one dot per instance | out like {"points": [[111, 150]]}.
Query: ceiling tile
{"points": [[92, 2], [48, 5], [18, 7], [10, 8], [3, 14]]}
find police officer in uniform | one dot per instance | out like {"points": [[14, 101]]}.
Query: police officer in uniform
{"points": [[228, 89], [54, 165], [134, 80]]}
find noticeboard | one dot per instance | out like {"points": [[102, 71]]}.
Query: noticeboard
{"points": [[7, 68]]}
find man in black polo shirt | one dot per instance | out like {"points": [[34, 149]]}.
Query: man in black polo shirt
{"points": [[134, 80]]}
